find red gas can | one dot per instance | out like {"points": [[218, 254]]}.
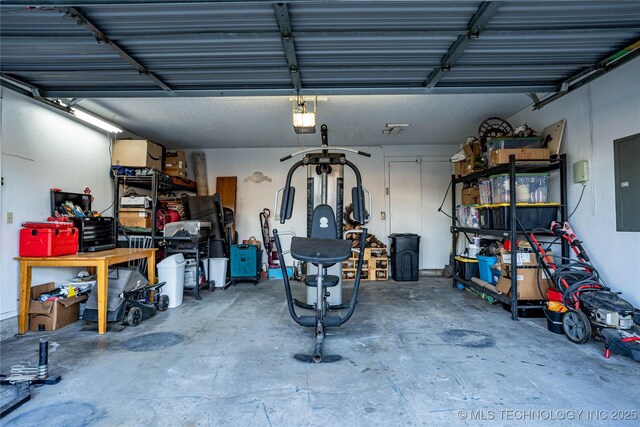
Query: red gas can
{"points": [[44, 239]]}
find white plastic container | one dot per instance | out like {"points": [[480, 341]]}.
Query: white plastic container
{"points": [[217, 271], [171, 271]]}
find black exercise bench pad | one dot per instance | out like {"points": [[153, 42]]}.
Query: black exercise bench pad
{"points": [[320, 251], [329, 281]]}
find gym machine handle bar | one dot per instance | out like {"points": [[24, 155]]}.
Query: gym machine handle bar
{"points": [[309, 150]]}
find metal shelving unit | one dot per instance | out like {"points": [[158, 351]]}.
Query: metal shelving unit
{"points": [[157, 183], [512, 168]]}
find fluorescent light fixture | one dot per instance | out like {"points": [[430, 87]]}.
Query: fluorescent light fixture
{"points": [[304, 121], [102, 124]]}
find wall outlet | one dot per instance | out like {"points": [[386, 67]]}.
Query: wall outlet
{"points": [[9, 217], [383, 215], [581, 172]]}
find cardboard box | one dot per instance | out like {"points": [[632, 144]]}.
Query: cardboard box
{"points": [[472, 150], [470, 196], [135, 217], [136, 153], [182, 173], [175, 164], [524, 259], [527, 283], [52, 315], [500, 156], [459, 168], [174, 159]]}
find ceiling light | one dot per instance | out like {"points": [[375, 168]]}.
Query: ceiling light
{"points": [[102, 124], [304, 120]]}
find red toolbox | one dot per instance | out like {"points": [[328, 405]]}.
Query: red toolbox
{"points": [[42, 239]]}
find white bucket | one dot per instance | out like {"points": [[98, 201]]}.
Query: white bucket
{"points": [[171, 271], [216, 270], [473, 251]]}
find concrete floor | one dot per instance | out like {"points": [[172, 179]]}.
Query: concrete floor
{"points": [[414, 353]]}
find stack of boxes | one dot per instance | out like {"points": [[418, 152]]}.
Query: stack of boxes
{"points": [[528, 276], [143, 154]]}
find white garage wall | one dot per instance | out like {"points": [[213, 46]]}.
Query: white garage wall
{"points": [[42, 149], [605, 110], [253, 197]]}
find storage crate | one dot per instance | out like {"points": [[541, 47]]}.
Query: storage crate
{"points": [[511, 142], [530, 215], [45, 239], [468, 216], [485, 216], [466, 268], [530, 188], [484, 266], [484, 186]]}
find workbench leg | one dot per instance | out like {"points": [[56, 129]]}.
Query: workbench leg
{"points": [[24, 297], [151, 267], [103, 295]]}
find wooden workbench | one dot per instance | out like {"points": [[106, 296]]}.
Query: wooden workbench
{"points": [[100, 261]]}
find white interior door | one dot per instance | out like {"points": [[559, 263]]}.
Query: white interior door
{"points": [[436, 238], [405, 204], [416, 189]]}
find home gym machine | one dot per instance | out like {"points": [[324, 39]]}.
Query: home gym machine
{"points": [[325, 245]]}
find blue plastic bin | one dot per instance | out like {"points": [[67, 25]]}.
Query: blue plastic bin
{"points": [[484, 264]]}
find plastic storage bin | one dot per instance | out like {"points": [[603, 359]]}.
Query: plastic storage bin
{"points": [[529, 142], [530, 188], [484, 186], [405, 256], [44, 239], [530, 215], [468, 216], [484, 266], [466, 268], [276, 273], [171, 271], [485, 216], [216, 270]]}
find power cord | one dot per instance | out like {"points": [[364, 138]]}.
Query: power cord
{"points": [[110, 163], [444, 199], [579, 200]]}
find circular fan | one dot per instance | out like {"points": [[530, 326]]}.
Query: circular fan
{"points": [[493, 127]]}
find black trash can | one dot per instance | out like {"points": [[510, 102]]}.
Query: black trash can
{"points": [[405, 251]]}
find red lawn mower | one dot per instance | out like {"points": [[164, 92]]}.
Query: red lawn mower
{"points": [[592, 308]]}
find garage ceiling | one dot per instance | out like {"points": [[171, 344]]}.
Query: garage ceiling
{"points": [[399, 52]]}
